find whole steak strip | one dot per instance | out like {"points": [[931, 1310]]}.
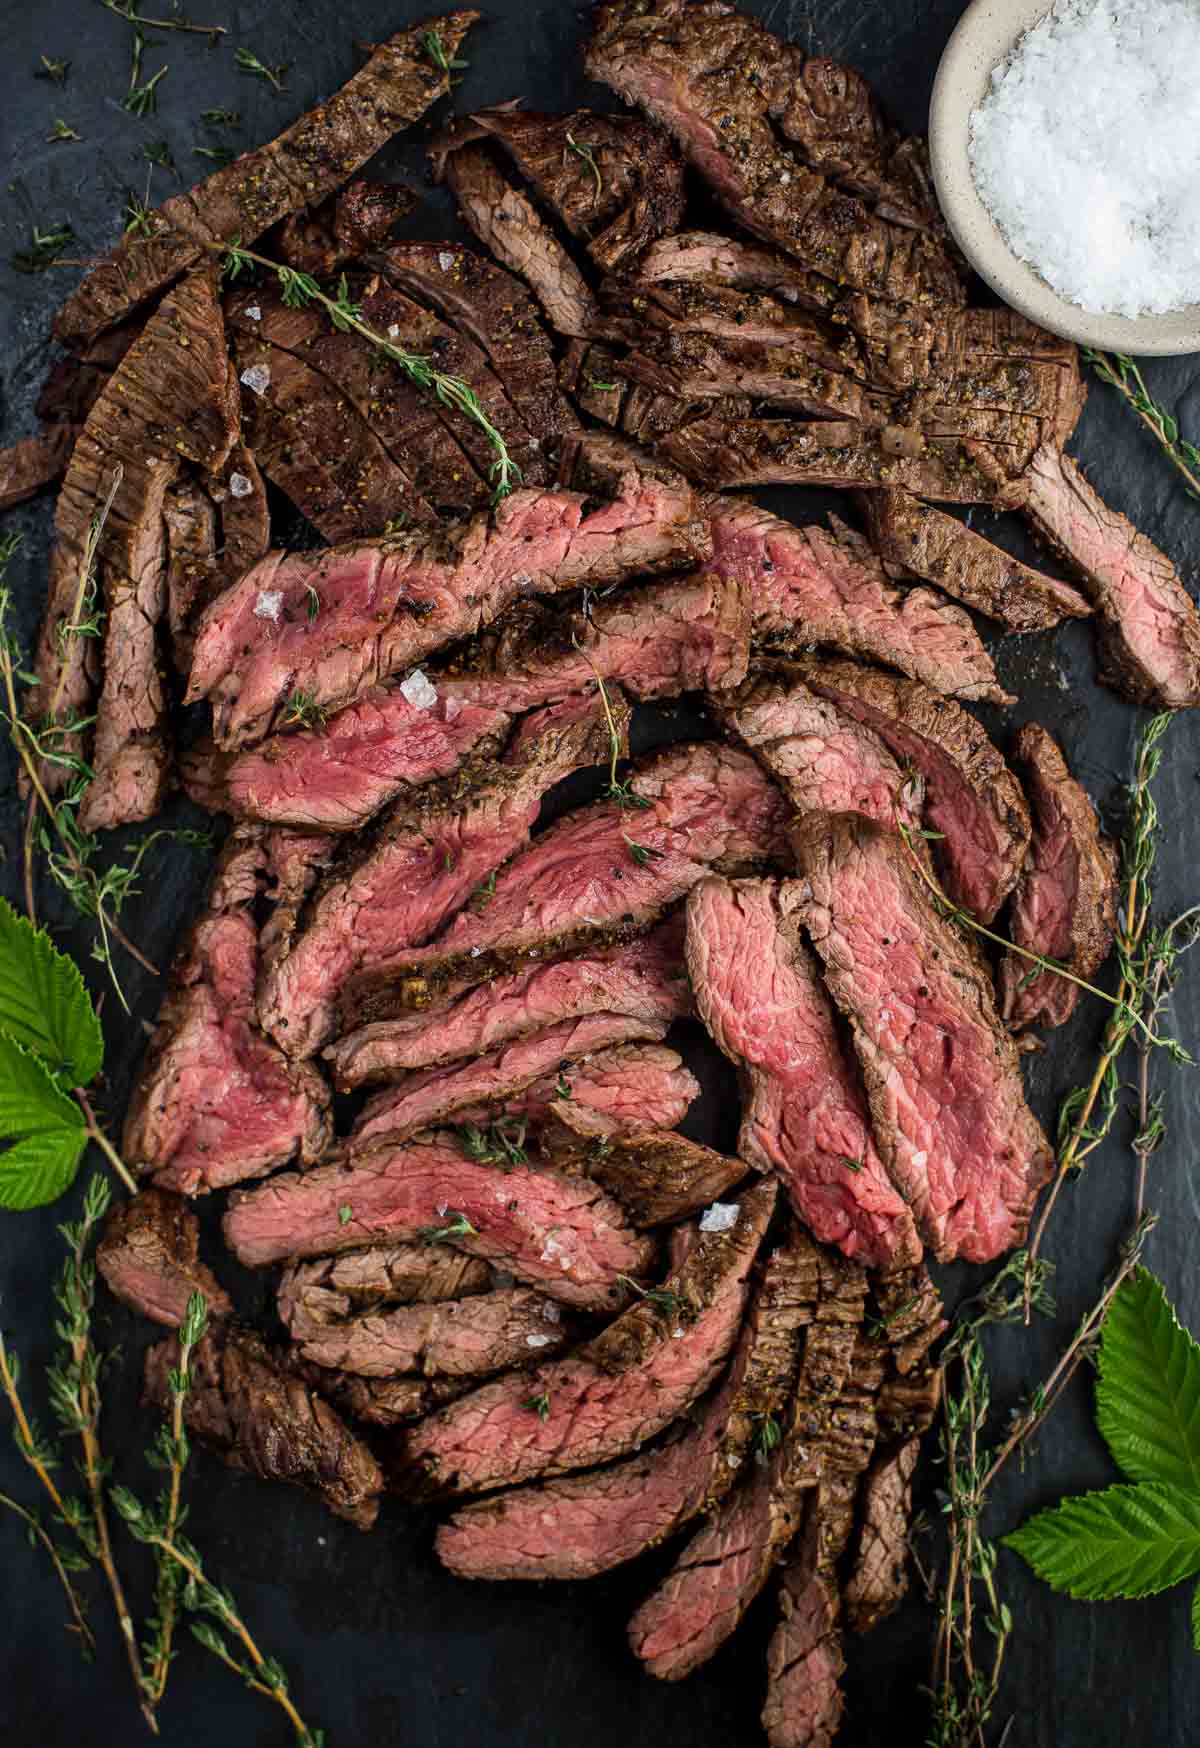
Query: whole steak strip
{"points": [[942, 1076], [929, 543], [878, 1579], [582, 1525], [260, 1418], [426, 859], [326, 1292], [305, 162], [383, 605], [809, 586], [607, 1397], [149, 1256], [615, 1092], [708, 260], [1149, 627], [1064, 906], [804, 1116], [215, 1102], [454, 1338], [656, 1175], [971, 796], [644, 979], [562, 1234]]}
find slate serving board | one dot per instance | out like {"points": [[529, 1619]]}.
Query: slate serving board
{"points": [[384, 1647]]}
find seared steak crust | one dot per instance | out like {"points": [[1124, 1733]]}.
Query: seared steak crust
{"points": [[149, 1255], [452, 1338], [334, 1288], [879, 1577]]}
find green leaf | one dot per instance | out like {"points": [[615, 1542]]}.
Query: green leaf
{"points": [[43, 1002], [46, 1126], [1148, 1394], [38, 1169], [1125, 1541]]}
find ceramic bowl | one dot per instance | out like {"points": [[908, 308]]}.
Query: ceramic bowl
{"points": [[987, 31]]}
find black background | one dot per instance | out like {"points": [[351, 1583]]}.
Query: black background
{"points": [[383, 1646]]}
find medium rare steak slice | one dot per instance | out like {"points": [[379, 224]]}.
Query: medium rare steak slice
{"points": [[878, 1578], [190, 520], [215, 1102], [451, 1338], [385, 604], [326, 1292], [804, 1116], [1064, 906], [614, 1092], [971, 796], [928, 543], [561, 1234], [305, 162], [609, 1396], [427, 857], [28, 466], [1149, 627], [582, 1525], [244, 1404], [942, 1075], [149, 1255], [644, 979], [656, 1175], [807, 586]]}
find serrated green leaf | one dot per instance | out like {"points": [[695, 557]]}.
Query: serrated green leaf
{"points": [[31, 1100], [43, 1002], [1148, 1393], [38, 1169], [1126, 1541]]}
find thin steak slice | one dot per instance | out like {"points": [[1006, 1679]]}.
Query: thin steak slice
{"points": [[1064, 906], [582, 1525], [911, 1316], [615, 1092], [561, 1234], [215, 1102], [1149, 628], [378, 1401], [928, 543], [709, 261], [804, 1116], [807, 586], [971, 796], [30, 465], [942, 1075], [149, 1255], [326, 1292], [656, 1175], [295, 863], [609, 1396], [257, 1416], [308, 160], [878, 1578], [427, 857], [454, 1338], [342, 227]]}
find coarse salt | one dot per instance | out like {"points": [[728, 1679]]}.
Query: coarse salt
{"points": [[551, 1312], [254, 312], [1085, 152], [269, 604], [419, 690], [445, 260], [393, 330], [240, 486], [257, 377], [721, 1217], [538, 1340]]}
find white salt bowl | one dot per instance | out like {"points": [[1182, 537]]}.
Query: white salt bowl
{"points": [[985, 34]]}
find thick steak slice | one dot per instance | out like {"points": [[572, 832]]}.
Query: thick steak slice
{"points": [[215, 1102], [427, 857], [149, 1255], [644, 979], [606, 1398], [878, 1578], [378, 1401], [615, 1092], [26, 467], [260, 1418], [613, 868], [453, 1338], [324, 1293], [1064, 906], [582, 1525], [807, 586], [971, 796], [941, 1073], [804, 1116], [562, 1234], [928, 543], [385, 604], [305, 162], [656, 1175], [1149, 627]]}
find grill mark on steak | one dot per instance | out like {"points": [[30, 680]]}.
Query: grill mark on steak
{"points": [[149, 1256], [607, 1397], [942, 1076], [1149, 629], [458, 1338], [321, 1294], [878, 1580], [911, 1315], [244, 1403], [295, 863], [1064, 906], [243, 199], [804, 1116], [611, 1093]]}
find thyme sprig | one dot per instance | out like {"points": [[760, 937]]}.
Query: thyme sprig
{"points": [[303, 710], [1121, 373], [248, 62], [621, 793], [457, 1227], [662, 1298], [435, 48], [64, 1561], [501, 1143], [587, 152], [52, 68], [142, 99], [127, 9], [61, 131]]}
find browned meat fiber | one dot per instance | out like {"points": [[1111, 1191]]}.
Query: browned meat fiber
{"points": [[487, 1332], [656, 1175], [879, 1578], [333, 1288], [360, 216], [149, 1256], [33, 463]]}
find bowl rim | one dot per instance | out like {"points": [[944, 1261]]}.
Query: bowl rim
{"points": [[959, 85]]}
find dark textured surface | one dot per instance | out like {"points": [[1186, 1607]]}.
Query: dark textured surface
{"points": [[384, 1647]]}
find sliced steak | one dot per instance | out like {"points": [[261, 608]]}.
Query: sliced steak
{"points": [[656, 1175], [971, 796], [149, 1256], [942, 1076], [215, 1102], [398, 84], [258, 1417], [245, 519], [911, 1315], [30, 465], [928, 543], [804, 1116], [378, 1401], [360, 216], [428, 856], [296, 861], [1064, 906], [190, 520], [710, 261], [1149, 628], [452, 1338], [878, 1579], [609, 1396], [562, 1234], [326, 1292], [803, 377], [615, 1092]]}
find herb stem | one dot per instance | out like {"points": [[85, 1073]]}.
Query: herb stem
{"points": [[96, 1134], [78, 1622], [128, 12], [1121, 373], [191, 1331], [27, 1444]]}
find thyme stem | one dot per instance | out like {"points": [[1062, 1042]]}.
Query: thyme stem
{"points": [[127, 10], [96, 1134], [38, 1529], [1121, 373]]}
